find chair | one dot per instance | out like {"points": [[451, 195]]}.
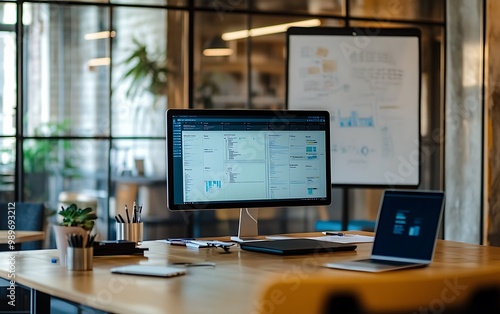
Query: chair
{"points": [[452, 291], [28, 216]]}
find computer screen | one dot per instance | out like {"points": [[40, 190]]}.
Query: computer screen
{"points": [[407, 220], [247, 158]]}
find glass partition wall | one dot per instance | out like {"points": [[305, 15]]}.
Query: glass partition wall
{"points": [[84, 86]]}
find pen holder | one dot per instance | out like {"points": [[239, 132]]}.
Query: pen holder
{"points": [[78, 258], [130, 232]]}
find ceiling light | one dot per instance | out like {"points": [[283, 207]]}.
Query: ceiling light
{"points": [[99, 62], [216, 47], [273, 29], [100, 35]]}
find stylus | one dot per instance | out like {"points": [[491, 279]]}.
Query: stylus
{"points": [[194, 264], [339, 234], [179, 241]]}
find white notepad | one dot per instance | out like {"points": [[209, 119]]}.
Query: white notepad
{"points": [[149, 270]]}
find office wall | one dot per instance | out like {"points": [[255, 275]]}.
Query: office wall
{"points": [[492, 98], [464, 121]]}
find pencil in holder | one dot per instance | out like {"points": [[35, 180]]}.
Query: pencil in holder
{"points": [[130, 232]]}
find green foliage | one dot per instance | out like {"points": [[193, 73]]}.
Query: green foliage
{"points": [[42, 155], [77, 217], [145, 72]]}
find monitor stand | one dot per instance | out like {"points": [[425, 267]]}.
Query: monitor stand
{"points": [[247, 228]]}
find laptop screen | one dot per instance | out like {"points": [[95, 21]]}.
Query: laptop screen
{"points": [[408, 224]]}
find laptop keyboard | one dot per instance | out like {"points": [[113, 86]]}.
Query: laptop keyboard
{"points": [[384, 262]]}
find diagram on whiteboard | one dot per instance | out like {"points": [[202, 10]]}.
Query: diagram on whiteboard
{"points": [[370, 86]]}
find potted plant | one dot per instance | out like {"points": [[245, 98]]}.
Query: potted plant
{"points": [[43, 158], [145, 72], [74, 221], [144, 81]]}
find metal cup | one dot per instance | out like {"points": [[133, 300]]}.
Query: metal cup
{"points": [[130, 232], [78, 258]]}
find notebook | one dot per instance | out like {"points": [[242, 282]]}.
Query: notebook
{"points": [[406, 232], [295, 246], [149, 270]]}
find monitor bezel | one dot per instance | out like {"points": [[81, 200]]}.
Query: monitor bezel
{"points": [[281, 114]]}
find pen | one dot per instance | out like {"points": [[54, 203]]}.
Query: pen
{"points": [[140, 213], [339, 234], [179, 241], [134, 212], [90, 240], [126, 212], [187, 264], [121, 218], [71, 240]]}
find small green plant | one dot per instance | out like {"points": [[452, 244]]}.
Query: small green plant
{"points": [[77, 217]]}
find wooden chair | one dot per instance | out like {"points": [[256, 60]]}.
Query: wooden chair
{"points": [[465, 291]]}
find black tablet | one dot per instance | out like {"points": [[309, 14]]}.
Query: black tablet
{"points": [[295, 246]]}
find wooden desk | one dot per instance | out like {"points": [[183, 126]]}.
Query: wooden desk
{"points": [[234, 285], [22, 236]]}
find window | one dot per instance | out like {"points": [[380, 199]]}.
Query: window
{"points": [[83, 108]]}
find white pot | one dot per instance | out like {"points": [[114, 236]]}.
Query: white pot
{"points": [[60, 233]]}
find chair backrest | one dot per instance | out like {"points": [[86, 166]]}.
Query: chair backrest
{"points": [[459, 291], [28, 216]]}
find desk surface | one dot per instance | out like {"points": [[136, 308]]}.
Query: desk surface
{"points": [[234, 285], [22, 236]]}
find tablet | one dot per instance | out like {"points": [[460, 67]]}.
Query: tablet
{"points": [[149, 270], [295, 246]]}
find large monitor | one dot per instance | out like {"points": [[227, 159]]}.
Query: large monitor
{"points": [[369, 81], [247, 159]]}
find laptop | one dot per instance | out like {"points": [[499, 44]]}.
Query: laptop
{"points": [[406, 232], [296, 246]]}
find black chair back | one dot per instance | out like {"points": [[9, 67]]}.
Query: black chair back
{"points": [[28, 216]]}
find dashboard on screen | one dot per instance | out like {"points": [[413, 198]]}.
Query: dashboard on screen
{"points": [[247, 158]]}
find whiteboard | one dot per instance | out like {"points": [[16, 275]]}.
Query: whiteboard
{"points": [[370, 84]]}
